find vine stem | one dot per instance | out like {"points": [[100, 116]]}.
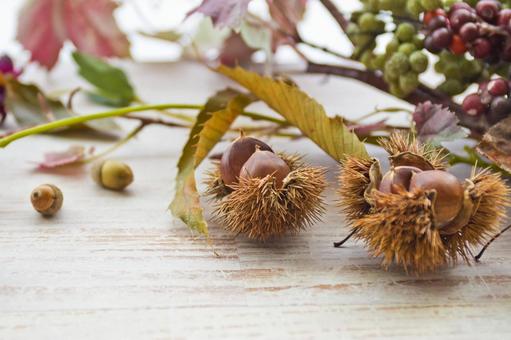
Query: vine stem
{"points": [[478, 256], [61, 123]]}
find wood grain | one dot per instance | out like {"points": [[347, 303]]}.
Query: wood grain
{"points": [[117, 266]]}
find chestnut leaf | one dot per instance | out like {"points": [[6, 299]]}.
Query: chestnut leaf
{"points": [[211, 124], [302, 111]]}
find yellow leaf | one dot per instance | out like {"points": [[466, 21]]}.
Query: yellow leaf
{"points": [[302, 111], [211, 124]]}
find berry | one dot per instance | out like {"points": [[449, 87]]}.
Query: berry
{"points": [[460, 5], [460, 17], [469, 32], [498, 87], [437, 22], [418, 61], [405, 32], [500, 108], [488, 9], [407, 48], [408, 82], [431, 4], [457, 46], [429, 44], [442, 37], [473, 106], [481, 48]]}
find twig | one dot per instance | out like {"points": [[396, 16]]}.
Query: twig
{"points": [[117, 145], [340, 243], [338, 16], [478, 256], [421, 94]]}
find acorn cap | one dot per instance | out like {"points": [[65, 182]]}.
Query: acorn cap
{"points": [[47, 199]]}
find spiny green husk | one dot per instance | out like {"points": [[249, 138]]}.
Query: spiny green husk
{"points": [[401, 228], [261, 211]]}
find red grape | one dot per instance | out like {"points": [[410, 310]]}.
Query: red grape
{"points": [[460, 5], [504, 18], [488, 9], [498, 87], [442, 37], [460, 17], [473, 106], [437, 22], [469, 32], [481, 48], [500, 108]]}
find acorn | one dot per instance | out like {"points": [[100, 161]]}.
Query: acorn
{"points": [[418, 215], [113, 175], [236, 154], [275, 195], [47, 199], [265, 163]]}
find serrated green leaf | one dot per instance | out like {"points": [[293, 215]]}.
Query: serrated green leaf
{"points": [[112, 85], [302, 111], [212, 123]]}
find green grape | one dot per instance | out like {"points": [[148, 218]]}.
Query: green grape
{"points": [[367, 58], [408, 82], [430, 5], [392, 47], [451, 87], [419, 42], [396, 90], [418, 61], [453, 70], [405, 32], [471, 68], [397, 64], [378, 62], [369, 23], [414, 7], [407, 48]]}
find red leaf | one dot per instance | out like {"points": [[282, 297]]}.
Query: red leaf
{"points": [[44, 25], [73, 155], [223, 13], [362, 130], [436, 124], [496, 144], [91, 27], [40, 30], [287, 14], [235, 51]]}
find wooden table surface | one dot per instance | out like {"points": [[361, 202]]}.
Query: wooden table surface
{"points": [[118, 266]]}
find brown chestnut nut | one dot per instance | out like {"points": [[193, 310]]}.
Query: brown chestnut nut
{"points": [[264, 163], [399, 176], [236, 155], [47, 199], [449, 193]]}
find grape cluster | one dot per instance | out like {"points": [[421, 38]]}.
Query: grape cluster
{"points": [[483, 30], [492, 101]]}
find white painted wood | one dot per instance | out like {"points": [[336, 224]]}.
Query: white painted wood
{"points": [[117, 266]]}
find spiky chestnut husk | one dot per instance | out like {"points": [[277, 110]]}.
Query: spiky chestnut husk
{"points": [[261, 210], [402, 227]]}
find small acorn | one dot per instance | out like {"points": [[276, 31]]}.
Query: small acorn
{"points": [[47, 199], [274, 195], [236, 154], [265, 163], [418, 215], [113, 175]]}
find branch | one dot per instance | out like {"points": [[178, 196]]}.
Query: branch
{"points": [[338, 16], [421, 94]]}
